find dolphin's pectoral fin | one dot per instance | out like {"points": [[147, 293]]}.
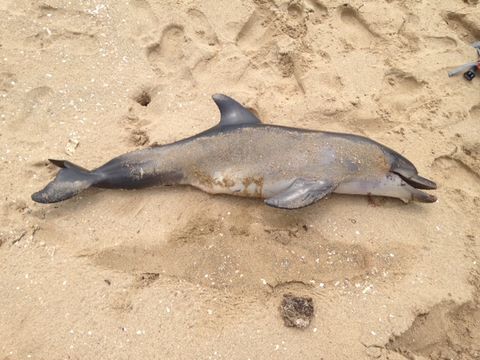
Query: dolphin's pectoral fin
{"points": [[232, 112], [301, 193]]}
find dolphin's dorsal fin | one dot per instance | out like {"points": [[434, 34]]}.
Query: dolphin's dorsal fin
{"points": [[233, 113]]}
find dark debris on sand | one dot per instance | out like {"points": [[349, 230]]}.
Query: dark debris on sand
{"points": [[296, 311]]}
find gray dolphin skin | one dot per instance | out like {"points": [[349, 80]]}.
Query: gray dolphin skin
{"points": [[288, 167]]}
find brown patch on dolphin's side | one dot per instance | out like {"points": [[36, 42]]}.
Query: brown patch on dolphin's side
{"points": [[203, 178], [209, 181], [258, 186], [226, 182]]}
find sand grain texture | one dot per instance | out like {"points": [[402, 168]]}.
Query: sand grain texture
{"points": [[174, 273]]}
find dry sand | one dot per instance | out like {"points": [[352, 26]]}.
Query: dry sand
{"points": [[174, 273]]}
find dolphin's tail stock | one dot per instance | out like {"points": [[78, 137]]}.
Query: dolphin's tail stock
{"points": [[70, 180]]}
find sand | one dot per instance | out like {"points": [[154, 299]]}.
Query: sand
{"points": [[175, 273]]}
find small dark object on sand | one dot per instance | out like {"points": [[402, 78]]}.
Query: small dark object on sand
{"points": [[296, 311], [470, 74], [469, 69]]}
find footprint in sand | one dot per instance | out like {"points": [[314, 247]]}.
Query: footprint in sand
{"points": [[458, 174], [401, 89], [182, 48], [475, 112], [438, 331], [146, 22], [205, 44], [254, 34], [355, 28], [77, 42], [317, 11], [442, 43], [64, 28], [269, 21], [291, 20], [201, 28], [169, 51], [466, 26], [262, 39]]}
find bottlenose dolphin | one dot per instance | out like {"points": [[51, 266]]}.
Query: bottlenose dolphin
{"points": [[288, 167]]}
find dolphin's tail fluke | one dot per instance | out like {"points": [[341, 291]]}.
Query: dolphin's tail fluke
{"points": [[70, 180]]}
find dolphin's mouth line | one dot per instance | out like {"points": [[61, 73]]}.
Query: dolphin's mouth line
{"points": [[417, 181]]}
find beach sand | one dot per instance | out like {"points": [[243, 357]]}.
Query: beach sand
{"points": [[175, 273]]}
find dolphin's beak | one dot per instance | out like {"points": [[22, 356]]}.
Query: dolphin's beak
{"points": [[407, 171], [418, 182]]}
